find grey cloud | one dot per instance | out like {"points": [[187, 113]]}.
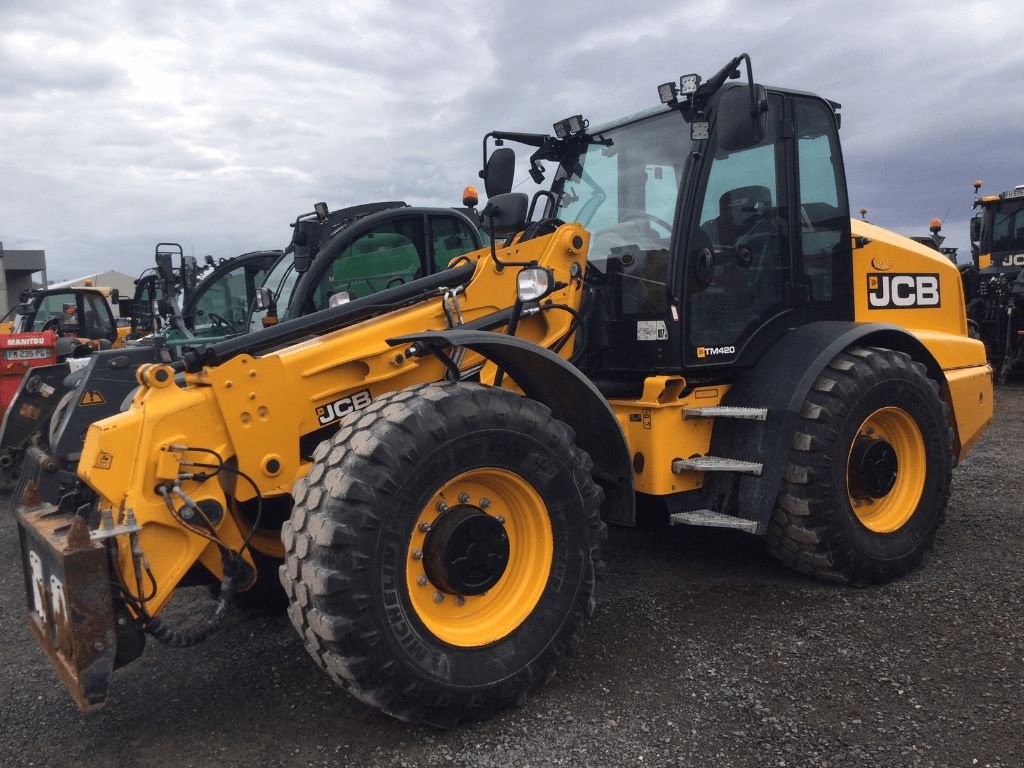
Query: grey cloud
{"points": [[225, 121]]}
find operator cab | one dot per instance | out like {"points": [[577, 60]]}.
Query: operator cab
{"points": [[997, 232], [220, 303], [335, 257], [718, 222], [77, 312]]}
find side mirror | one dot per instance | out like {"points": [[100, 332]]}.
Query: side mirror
{"points": [[302, 261], [188, 271], [737, 124], [305, 244], [500, 171], [125, 306], [339, 298], [263, 300], [506, 214], [976, 229], [164, 267]]}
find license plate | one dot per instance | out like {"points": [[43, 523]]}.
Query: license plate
{"points": [[70, 612], [26, 354]]}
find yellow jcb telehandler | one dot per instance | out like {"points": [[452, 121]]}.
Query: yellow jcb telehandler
{"points": [[687, 312]]}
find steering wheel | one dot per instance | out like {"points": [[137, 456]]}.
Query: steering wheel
{"points": [[221, 322], [645, 216], [755, 241], [53, 324]]}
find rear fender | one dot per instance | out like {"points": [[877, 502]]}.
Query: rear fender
{"points": [[547, 378], [780, 382]]}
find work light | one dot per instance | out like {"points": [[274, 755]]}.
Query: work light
{"points": [[533, 283]]}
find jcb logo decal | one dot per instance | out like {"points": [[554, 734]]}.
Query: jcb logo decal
{"points": [[1013, 260], [332, 412], [903, 291]]}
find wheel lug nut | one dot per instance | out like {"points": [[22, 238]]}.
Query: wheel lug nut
{"points": [[460, 600], [421, 580], [500, 519], [485, 503], [463, 498], [438, 597], [424, 526], [442, 507], [417, 554]]}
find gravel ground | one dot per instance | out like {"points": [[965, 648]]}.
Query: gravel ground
{"points": [[702, 652]]}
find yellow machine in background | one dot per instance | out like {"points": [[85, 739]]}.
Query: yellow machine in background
{"points": [[992, 282], [688, 314]]}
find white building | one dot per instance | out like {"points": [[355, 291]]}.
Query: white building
{"points": [[16, 274], [125, 284]]}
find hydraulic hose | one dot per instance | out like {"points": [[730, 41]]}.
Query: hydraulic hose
{"points": [[185, 638]]}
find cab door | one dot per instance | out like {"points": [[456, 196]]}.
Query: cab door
{"points": [[770, 226], [738, 262]]}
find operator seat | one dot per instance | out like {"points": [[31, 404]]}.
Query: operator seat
{"points": [[739, 209], [735, 280]]}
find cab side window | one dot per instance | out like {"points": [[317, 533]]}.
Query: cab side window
{"points": [[98, 320], [739, 259], [57, 309], [450, 237], [223, 306], [823, 225], [388, 255]]}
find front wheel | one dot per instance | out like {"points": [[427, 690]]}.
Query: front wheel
{"points": [[867, 478], [440, 555]]}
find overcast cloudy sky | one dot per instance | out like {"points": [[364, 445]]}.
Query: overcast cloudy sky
{"points": [[214, 124]]}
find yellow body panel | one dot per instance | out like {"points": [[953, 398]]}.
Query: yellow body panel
{"points": [[888, 255], [656, 428], [969, 393], [942, 328], [127, 456]]}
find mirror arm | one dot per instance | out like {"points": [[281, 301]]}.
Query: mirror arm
{"points": [[488, 215]]}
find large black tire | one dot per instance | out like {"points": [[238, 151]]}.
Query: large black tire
{"points": [[834, 517], [356, 552]]}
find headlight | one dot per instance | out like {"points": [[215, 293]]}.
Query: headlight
{"points": [[534, 283]]}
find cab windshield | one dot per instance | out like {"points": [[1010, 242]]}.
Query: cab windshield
{"points": [[1004, 226], [623, 189], [281, 281]]}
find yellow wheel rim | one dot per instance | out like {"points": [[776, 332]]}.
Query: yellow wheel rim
{"points": [[880, 510], [475, 620]]}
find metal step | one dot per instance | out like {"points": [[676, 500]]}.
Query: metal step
{"points": [[726, 412], [716, 464], [711, 519]]}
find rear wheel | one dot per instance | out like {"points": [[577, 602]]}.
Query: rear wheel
{"points": [[867, 478], [440, 555]]}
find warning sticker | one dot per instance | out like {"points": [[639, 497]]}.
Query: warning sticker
{"points": [[92, 397], [104, 460], [30, 411], [651, 330]]}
